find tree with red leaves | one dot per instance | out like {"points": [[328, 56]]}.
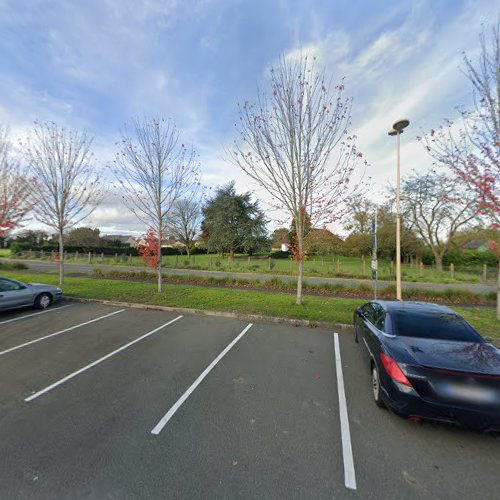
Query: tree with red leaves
{"points": [[155, 170], [15, 187], [471, 147], [149, 249], [294, 143]]}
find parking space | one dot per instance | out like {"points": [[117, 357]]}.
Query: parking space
{"points": [[127, 403]]}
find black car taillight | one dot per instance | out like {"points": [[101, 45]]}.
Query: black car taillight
{"points": [[393, 370]]}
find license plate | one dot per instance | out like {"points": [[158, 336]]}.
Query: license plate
{"points": [[470, 393]]}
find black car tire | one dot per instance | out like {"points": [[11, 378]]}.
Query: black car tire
{"points": [[376, 387], [43, 301], [356, 339]]}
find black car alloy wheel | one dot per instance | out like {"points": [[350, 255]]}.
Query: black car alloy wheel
{"points": [[376, 387]]}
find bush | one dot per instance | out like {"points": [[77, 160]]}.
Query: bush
{"points": [[16, 247], [17, 266], [463, 258], [470, 258], [428, 258], [280, 255]]}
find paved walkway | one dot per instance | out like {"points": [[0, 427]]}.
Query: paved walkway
{"points": [[348, 282]]}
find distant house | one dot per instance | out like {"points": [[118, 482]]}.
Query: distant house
{"points": [[171, 243], [280, 240], [479, 245]]}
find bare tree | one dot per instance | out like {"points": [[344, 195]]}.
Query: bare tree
{"points": [[185, 220], [435, 206], [286, 146], [471, 147], [360, 214], [15, 186], [67, 187], [155, 171]]}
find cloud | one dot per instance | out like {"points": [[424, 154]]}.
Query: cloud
{"points": [[410, 70], [95, 64]]}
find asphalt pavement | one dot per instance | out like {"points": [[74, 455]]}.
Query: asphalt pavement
{"points": [[238, 410], [88, 268]]}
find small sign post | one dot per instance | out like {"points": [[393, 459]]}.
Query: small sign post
{"points": [[374, 253]]}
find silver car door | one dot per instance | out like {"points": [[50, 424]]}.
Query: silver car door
{"points": [[12, 294]]}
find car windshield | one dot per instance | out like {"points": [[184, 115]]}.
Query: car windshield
{"points": [[441, 326]]}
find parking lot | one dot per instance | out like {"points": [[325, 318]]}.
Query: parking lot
{"points": [[108, 402]]}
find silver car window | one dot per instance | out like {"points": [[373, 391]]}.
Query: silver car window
{"points": [[8, 286]]}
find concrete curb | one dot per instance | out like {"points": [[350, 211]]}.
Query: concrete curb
{"points": [[339, 327]]}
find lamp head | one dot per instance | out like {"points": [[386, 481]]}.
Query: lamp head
{"points": [[393, 132], [400, 125]]}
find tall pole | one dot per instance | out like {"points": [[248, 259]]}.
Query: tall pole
{"points": [[374, 254], [398, 226], [397, 130]]}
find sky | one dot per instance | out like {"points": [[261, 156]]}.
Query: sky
{"points": [[95, 64]]}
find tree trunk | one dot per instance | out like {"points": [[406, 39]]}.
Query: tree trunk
{"points": [[159, 263], [61, 258], [300, 273], [439, 261]]}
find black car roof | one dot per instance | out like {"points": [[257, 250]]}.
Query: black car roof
{"points": [[412, 306]]}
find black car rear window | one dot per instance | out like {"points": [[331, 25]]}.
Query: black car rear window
{"points": [[440, 326]]}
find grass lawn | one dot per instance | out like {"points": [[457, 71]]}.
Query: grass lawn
{"points": [[240, 301], [348, 267], [4, 252]]}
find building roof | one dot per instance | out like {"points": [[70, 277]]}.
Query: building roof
{"points": [[474, 245]]}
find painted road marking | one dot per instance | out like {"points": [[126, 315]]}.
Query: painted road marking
{"points": [[97, 361], [349, 473], [34, 314], [20, 346], [164, 420]]}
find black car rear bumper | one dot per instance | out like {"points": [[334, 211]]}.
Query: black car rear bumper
{"points": [[409, 405]]}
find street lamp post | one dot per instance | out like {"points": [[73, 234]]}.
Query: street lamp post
{"points": [[397, 130]]}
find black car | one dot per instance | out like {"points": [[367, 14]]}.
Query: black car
{"points": [[427, 362]]}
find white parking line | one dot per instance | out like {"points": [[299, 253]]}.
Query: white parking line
{"points": [[164, 420], [96, 362], [349, 473], [20, 346], [34, 314]]}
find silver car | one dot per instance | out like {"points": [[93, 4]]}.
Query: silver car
{"points": [[14, 294]]}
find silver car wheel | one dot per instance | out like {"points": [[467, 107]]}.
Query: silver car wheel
{"points": [[44, 301]]}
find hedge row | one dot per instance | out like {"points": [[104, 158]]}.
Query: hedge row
{"points": [[16, 248], [26, 247], [464, 258]]}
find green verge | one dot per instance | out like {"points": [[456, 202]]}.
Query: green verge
{"points": [[331, 309]]}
